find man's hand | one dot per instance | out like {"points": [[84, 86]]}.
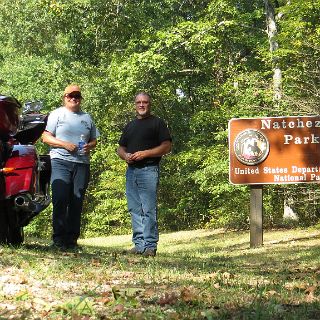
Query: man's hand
{"points": [[89, 146], [128, 158], [139, 155], [70, 146], [158, 151]]}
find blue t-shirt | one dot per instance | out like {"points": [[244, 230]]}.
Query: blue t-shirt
{"points": [[68, 126]]}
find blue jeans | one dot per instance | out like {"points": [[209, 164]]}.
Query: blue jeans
{"points": [[69, 181], [141, 190]]}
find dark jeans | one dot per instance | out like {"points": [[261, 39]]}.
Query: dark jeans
{"points": [[141, 191], [69, 181]]}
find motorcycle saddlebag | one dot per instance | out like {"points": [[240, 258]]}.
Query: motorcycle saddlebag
{"points": [[31, 128]]}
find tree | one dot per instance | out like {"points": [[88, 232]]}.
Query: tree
{"points": [[204, 62]]}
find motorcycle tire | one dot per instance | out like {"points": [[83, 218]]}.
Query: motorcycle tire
{"points": [[3, 223], [15, 231], [15, 236], [11, 233]]}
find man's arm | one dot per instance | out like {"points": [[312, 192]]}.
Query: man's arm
{"points": [[90, 145], [51, 140], [161, 150], [122, 153]]}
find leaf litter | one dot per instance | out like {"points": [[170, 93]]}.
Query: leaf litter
{"points": [[102, 285]]}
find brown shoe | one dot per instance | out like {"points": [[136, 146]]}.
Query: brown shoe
{"points": [[134, 250], [149, 252]]}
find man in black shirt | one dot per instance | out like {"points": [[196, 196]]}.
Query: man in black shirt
{"points": [[143, 142]]}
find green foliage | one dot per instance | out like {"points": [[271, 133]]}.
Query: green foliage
{"points": [[40, 226], [79, 306], [105, 203]]}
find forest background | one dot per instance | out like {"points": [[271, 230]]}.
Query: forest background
{"points": [[203, 61]]}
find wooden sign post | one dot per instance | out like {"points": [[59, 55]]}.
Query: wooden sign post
{"points": [[275, 150], [256, 216]]}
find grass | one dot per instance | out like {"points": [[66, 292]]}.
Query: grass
{"points": [[199, 274]]}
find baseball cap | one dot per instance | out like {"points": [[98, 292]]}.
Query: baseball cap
{"points": [[72, 88]]}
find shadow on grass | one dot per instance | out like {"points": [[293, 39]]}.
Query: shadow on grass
{"points": [[232, 281], [201, 255], [272, 309]]}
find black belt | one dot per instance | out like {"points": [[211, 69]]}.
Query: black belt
{"points": [[143, 165]]}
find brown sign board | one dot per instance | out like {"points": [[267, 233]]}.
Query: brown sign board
{"points": [[274, 150]]}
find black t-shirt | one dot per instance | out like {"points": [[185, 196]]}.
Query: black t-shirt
{"points": [[143, 134]]}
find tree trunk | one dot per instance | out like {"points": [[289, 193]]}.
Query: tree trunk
{"points": [[277, 85], [272, 34]]}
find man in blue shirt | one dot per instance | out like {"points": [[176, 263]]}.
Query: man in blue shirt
{"points": [[70, 168]]}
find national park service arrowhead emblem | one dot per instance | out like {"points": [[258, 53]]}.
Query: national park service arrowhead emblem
{"points": [[251, 147]]}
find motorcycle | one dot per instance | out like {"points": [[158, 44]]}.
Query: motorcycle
{"points": [[24, 174]]}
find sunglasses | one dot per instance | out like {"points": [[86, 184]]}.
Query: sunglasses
{"points": [[74, 95]]}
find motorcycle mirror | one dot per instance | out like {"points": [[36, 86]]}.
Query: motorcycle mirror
{"points": [[32, 107]]}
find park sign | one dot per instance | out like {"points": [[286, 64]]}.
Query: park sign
{"points": [[274, 150]]}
